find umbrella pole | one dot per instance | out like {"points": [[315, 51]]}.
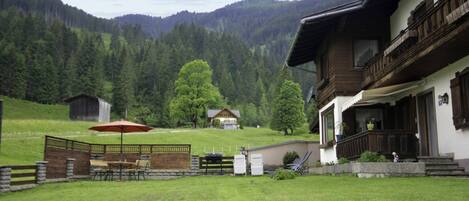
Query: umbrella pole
{"points": [[121, 156]]}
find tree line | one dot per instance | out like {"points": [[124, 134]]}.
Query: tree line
{"points": [[47, 61]]}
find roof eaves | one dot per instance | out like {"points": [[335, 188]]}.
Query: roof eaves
{"points": [[341, 9]]}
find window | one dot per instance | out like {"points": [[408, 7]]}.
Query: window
{"points": [[363, 51], [460, 99], [328, 126]]}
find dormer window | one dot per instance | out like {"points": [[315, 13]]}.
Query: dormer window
{"points": [[363, 51]]}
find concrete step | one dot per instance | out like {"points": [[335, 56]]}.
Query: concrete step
{"points": [[448, 174], [443, 168], [435, 159], [442, 163]]}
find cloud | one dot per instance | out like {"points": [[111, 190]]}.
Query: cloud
{"points": [[163, 8]]}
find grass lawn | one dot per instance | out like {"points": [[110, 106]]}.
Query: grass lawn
{"points": [[26, 124], [254, 188]]}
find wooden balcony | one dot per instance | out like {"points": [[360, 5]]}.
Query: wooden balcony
{"points": [[436, 38], [381, 141]]}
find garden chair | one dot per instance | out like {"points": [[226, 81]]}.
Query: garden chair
{"points": [[142, 168], [299, 166], [99, 168]]}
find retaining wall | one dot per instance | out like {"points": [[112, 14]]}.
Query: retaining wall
{"points": [[365, 170]]}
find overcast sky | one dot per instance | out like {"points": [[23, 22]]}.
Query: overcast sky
{"points": [[163, 8]]}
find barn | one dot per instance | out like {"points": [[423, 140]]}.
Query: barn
{"points": [[89, 108]]}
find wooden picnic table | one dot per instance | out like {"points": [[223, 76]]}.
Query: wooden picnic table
{"points": [[121, 165]]}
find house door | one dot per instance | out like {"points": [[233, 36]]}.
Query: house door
{"points": [[427, 125]]}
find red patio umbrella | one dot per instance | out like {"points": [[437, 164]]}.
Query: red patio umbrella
{"points": [[121, 127]]}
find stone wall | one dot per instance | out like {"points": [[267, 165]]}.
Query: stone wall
{"points": [[366, 170]]}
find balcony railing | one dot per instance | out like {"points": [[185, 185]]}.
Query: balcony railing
{"points": [[435, 24], [381, 141]]}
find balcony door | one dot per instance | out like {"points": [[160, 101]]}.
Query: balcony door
{"points": [[427, 124]]}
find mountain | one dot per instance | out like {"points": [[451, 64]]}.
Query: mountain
{"points": [[44, 60], [56, 10], [268, 26], [265, 24]]}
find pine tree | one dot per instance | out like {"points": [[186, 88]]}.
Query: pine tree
{"points": [[123, 91], [227, 86], [13, 77]]}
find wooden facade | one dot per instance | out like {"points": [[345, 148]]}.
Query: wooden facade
{"points": [[89, 108], [436, 43], [336, 74]]}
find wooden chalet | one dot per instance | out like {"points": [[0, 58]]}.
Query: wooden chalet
{"points": [[89, 108], [392, 76], [228, 119]]}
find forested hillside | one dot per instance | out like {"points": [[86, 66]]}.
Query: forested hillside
{"points": [[47, 61], [55, 9], [268, 26]]}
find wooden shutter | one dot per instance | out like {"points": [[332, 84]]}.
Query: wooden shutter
{"points": [[456, 100]]}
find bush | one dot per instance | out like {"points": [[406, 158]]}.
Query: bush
{"points": [[283, 174], [369, 156], [343, 161], [217, 123], [289, 158], [318, 164]]}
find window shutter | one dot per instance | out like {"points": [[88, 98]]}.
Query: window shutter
{"points": [[456, 100]]}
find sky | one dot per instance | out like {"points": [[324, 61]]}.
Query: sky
{"points": [[163, 8]]}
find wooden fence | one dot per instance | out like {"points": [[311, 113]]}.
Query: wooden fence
{"points": [[58, 150], [225, 166], [23, 174]]}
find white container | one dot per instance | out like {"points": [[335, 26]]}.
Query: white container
{"points": [[239, 164], [257, 165]]}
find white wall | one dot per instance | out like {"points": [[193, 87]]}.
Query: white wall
{"points": [[450, 140], [400, 16], [329, 154], [273, 155]]}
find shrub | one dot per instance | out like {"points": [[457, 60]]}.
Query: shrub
{"points": [[343, 161], [217, 123], [289, 158], [283, 174], [318, 164], [369, 156]]}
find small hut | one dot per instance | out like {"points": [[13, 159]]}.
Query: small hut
{"points": [[89, 108], [225, 118]]}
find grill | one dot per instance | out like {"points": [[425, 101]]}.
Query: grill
{"points": [[214, 158]]}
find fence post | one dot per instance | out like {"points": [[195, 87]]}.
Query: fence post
{"points": [[69, 171], [5, 179], [41, 169]]}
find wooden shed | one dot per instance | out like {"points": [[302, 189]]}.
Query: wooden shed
{"points": [[89, 108]]}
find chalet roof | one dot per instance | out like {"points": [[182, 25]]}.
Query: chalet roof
{"points": [[71, 99], [213, 112], [315, 26]]}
